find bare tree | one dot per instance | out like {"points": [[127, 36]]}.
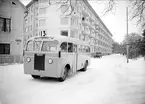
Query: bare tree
{"points": [[137, 8]]}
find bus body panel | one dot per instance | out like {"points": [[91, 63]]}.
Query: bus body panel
{"points": [[72, 60], [50, 70], [81, 60]]}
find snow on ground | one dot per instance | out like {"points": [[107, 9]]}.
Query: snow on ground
{"points": [[108, 80]]}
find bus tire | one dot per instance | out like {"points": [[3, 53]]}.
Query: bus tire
{"points": [[35, 76], [65, 74], [85, 66]]}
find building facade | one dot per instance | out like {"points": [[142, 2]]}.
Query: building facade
{"points": [[75, 19], [11, 31]]}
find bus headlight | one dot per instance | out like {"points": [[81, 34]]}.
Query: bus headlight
{"points": [[28, 59], [50, 61]]}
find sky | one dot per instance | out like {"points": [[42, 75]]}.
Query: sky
{"points": [[115, 21]]}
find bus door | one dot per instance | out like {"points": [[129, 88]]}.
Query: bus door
{"points": [[72, 56], [63, 48]]}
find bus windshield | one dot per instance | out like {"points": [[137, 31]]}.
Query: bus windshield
{"points": [[50, 46], [33, 45], [37, 45], [29, 46]]}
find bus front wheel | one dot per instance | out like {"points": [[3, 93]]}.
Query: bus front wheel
{"points": [[35, 76], [65, 74]]}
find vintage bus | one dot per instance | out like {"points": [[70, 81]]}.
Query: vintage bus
{"points": [[55, 57]]}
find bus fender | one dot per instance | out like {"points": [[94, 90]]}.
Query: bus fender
{"points": [[64, 68]]}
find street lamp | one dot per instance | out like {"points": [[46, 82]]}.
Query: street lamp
{"points": [[127, 46]]}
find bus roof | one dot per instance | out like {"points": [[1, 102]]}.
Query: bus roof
{"points": [[60, 39]]}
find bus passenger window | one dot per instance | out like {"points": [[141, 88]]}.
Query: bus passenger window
{"points": [[87, 49], [83, 48], [70, 47], [75, 48], [63, 47], [79, 48]]}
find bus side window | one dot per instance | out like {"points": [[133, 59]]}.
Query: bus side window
{"points": [[70, 47], [87, 49], [74, 48], [83, 48], [79, 48], [63, 47]]}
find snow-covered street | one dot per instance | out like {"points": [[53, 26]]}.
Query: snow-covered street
{"points": [[108, 80]]}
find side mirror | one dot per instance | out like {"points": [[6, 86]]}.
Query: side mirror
{"points": [[59, 54]]}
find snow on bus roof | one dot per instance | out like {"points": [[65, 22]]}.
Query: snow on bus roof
{"points": [[59, 38]]}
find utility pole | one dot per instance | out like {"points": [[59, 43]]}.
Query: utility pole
{"points": [[127, 46]]}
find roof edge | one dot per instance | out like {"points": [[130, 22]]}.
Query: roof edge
{"points": [[89, 6], [30, 3], [22, 4]]}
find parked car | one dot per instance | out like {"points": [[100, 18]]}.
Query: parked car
{"points": [[98, 55]]}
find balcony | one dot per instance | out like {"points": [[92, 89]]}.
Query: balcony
{"points": [[85, 13]]}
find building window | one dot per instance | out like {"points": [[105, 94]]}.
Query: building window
{"points": [[42, 11], [64, 8], [74, 21], [36, 24], [31, 27], [73, 33], [83, 28], [13, 3], [42, 22], [4, 48], [93, 33], [26, 20], [42, 1], [64, 20], [5, 24], [26, 29], [80, 36], [87, 30], [64, 33], [32, 8], [31, 18]]}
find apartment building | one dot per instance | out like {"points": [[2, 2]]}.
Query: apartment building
{"points": [[75, 20], [11, 31]]}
